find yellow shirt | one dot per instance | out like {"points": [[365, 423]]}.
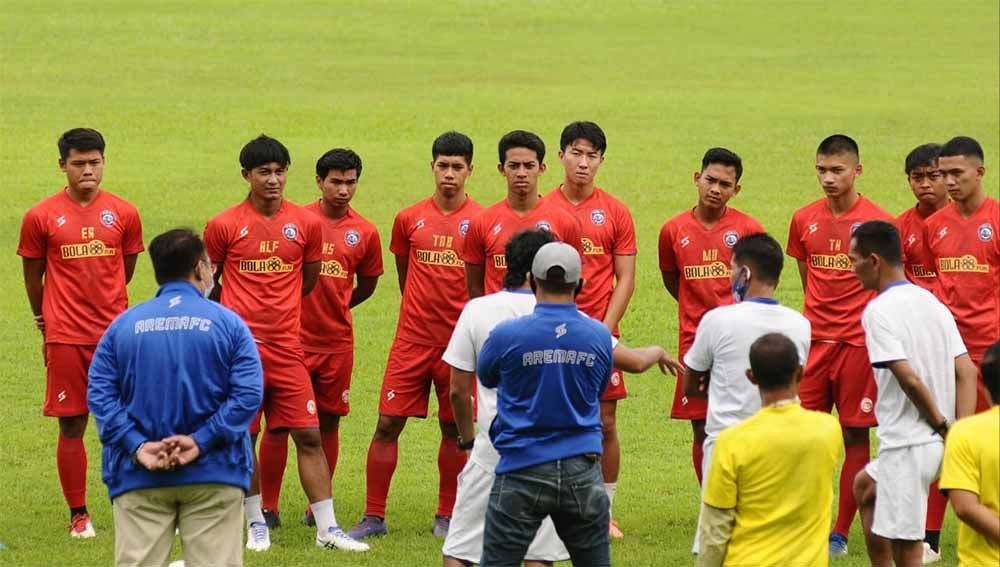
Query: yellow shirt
{"points": [[776, 469], [972, 463]]}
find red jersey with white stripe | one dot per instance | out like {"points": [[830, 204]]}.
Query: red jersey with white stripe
{"points": [[84, 249], [919, 265]]}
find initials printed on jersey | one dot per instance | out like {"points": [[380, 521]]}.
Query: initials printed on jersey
{"points": [[91, 249], [967, 263], [710, 268], [270, 265], [837, 260], [332, 269], [591, 249]]}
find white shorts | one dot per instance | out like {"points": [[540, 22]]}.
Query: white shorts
{"points": [[706, 463], [901, 501], [468, 518]]}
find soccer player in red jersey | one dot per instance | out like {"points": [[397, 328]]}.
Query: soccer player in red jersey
{"points": [[351, 249], [608, 242], [838, 371], [927, 185], [963, 238], [78, 249], [522, 160], [695, 248], [267, 252], [426, 240]]}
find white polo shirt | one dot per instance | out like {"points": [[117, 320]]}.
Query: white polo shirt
{"points": [[906, 322], [722, 348]]}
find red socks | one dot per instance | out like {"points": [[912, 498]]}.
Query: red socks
{"points": [[937, 503], [71, 462], [856, 458], [331, 448], [381, 465], [451, 461], [697, 454], [272, 461]]}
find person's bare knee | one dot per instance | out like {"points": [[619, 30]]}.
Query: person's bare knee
{"points": [[864, 489], [389, 427], [307, 440], [73, 426], [450, 561]]}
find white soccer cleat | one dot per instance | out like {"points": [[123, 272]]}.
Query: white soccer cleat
{"points": [[258, 537], [335, 538], [80, 527], [930, 556]]}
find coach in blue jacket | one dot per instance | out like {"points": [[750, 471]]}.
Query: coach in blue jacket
{"points": [[173, 386], [549, 369]]}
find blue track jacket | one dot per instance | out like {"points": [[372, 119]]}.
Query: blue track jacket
{"points": [[177, 364], [550, 369]]}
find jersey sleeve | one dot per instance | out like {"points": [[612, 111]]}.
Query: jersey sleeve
{"points": [[399, 243], [461, 351], [722, 490], [371, 264], [132, 239], [883, 344], [34, 238], [796, 249], [699, 357], [216, 240], [313, 251], [625, 233], [473, 248], [960, 469], [668, 260]]}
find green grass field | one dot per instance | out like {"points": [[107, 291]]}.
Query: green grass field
{"points": [[178, 87]]}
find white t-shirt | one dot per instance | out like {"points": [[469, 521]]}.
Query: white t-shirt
{"points": [[906, 322], [722, 345]]}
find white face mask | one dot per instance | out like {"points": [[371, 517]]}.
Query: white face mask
{"points": [[207, 276]]}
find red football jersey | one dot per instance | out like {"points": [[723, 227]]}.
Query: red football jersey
{"points": [[492, 228], [967, 256], [351, 245], [701, 256], [262, 259], [919, 266], [834, 298], [435, 290], [607, 230], [84, 249]]}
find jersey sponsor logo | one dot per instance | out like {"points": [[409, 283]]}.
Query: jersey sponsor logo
{"points": [[560, 330], [446, 257], [967, 263], [60, 221], [558, 356], [352, 238], [867, 405], [332, 269], [921, 271], [685, 241], [270, 265], [589, 248], [290, 231], [166, 324], [174, 301], [244, 230], [463, 227], [311, 407], [837, 262], [710, 271], [500, 261], [107, 218], [730, 238], [543, 225], [985, 232], [92, 249], [597, 216]]}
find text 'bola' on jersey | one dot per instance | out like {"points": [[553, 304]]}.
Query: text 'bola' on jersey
{"points": [[919, 265], [701, 257], [435, 289], [492, 229], [966, 253], [351, 246], [834, 298], [606, 230], [262, 260], [84, 249]]}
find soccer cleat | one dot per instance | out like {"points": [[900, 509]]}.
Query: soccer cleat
{"points": [[258, 537], [308, 519], [838, 545], [614, 532], [369, 526], [80, 527], [335, 538], [440, 527], [272, 519], [930, 556]]}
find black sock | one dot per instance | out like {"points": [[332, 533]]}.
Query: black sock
{"points": [[933, 538], [75, 511]]}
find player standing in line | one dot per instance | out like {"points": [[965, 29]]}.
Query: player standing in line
{"points": [[927, 185], [964, 240], [838, 372], [78, 249], [608, 243], [695, 249], [267, 251], [522, 160], [351, 248], [925, 379], [426, 240]]}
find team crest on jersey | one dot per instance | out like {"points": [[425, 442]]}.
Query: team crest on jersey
{"points": [[543, 225], [352, 238], [855, 227], [290, 231], [107, 218], [730, 238], [463, 227], [985, 232], [597, 217]]}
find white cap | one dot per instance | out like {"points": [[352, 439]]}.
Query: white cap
{"points": [[557, 254]]}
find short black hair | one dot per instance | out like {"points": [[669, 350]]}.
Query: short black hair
{"points": [[774, 360], [520, 253], [838, 144], [175, 254], [521, 139], [725, 157], [990, 368], [879, 237], [553, 282], [584, 130], [453, 143], [338, 159], [81, 140], [924, 155], [962, 146], [263, 150], [763, 254]]}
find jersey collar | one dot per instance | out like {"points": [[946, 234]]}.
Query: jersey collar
{"points": [[763, 300], [178, 287], [895, 284]]}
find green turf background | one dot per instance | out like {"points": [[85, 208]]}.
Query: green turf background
{"points": [[178, 87]]}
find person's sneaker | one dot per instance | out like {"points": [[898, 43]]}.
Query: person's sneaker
{"points": [[369, 526], [258, 537], [440, 527], [80, 526], [335, 538], [272, 519], [614, 532], [930, 556], [838, 545], [308, 519]]}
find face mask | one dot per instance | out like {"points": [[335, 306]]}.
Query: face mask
{"points": [[206, 275], [741, 285]]}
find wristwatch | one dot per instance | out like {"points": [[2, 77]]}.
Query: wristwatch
{"points": [[942, 427], [466, 445]]}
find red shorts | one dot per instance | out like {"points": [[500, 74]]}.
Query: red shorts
{"points": [[616, 387], [840, 374], [692, 409], [66, 379], [288, 394], [331, 380], [409, 374]]}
